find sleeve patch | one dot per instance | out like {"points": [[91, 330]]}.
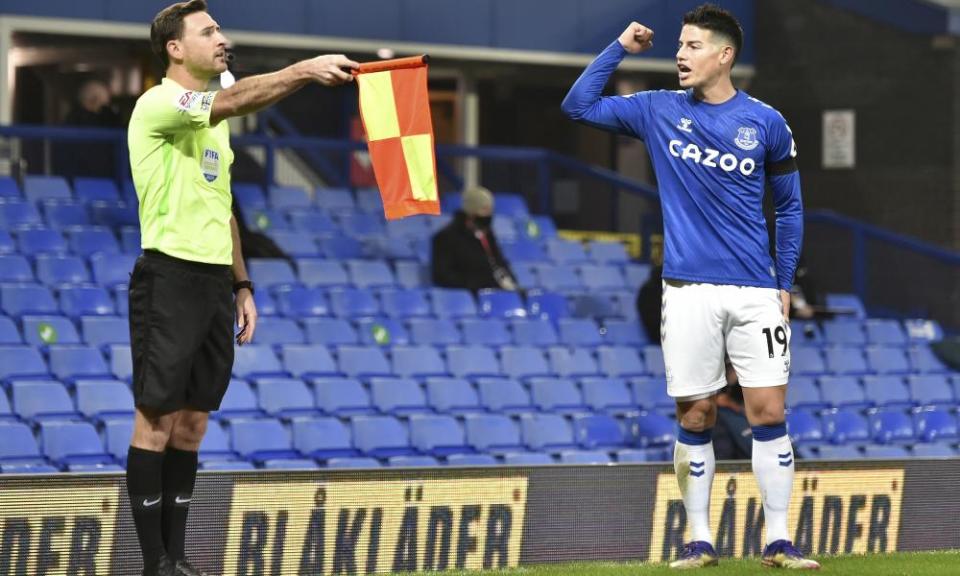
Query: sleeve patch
{"points": [[185, 101]]}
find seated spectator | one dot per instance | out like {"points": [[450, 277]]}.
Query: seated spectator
{"points": [[92, 109], [466, 253]]}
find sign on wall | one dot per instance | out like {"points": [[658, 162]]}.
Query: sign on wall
{"points": [[839, 139]]}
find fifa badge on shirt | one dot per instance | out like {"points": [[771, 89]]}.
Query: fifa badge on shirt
{"points": [[210, 164]]}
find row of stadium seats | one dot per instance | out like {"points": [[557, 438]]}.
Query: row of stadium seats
{"points": [[883, 426]]}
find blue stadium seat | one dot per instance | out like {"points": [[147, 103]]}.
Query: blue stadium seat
{"points": [[290, 464], [934, 450], [885, 332], [523, 251], [70, 363], [608, 253], [561, 278], [644, 455], [342, 248], [33, 241], [620, 361], [523, 362], [297, 302], [802, 392], [452, 396], [9, 188], [285, 397], [22, 299], [525, 274], [806, 361], [472, 361], [296, 244], [527, 459], [844, 331], [412, 461], [41, 400], [249, 195], [572, 362], [405, 303], [546, 433], [265, 220], [54, 270], [411, 274], [885, 452], [6, 243], [501, 395], [500, 304], [130, 240], [370, 273], [534, 332], [128, 192], [275, 331], [843, 391], [381, 436], [887, 360], [260, 439], [805, 333], [438, 435], [121, 361], [94, 189], [558, 395], [228, 465], [602, 277], [848, 304], [360, 462], [607, 395], [437, 332], [240, 401], [329, 331], [934, 425], [513, 206], [923, 330], [579, 332], [15, 268], [353, 302], [21, 362], [398, 396], [9, 333], [636, 274], [471, 460], [922, 359], [418, 362], [118, 432], [18, 445], [846, 361], [323, 438], [452, 303], [361, 225], [381, 331], [891, 427], [653, 360], [409, 227], [36, 188], [651, 394], [89, 240], [584, 457], [112, 270], [266, 306], [845, 452], [42, 331], [625, 333], [931, 390], [256, 361], [86, 300], [59, 214], [492, 433], [71, 442], [485, 331], [104, 399], [308, 361], [566, 252], [363, 361], [649, 429], [845, 426], [341, 396], [271, 272], [288, 197], [887, 391], [804, 428], [313, 222], [113, 214], [597, 431], [16, 213]]}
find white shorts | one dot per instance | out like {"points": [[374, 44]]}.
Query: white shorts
{"points": [[704, 323]]}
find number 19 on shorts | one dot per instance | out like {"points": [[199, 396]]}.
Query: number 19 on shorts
{"points": [[778, 334]]}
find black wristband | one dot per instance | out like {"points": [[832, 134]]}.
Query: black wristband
{"points": [[237, 286]]}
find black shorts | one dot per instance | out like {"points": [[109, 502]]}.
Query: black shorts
{"points": [[181, 333]]}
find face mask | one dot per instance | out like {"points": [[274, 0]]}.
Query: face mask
{"points": [[482, 221]]}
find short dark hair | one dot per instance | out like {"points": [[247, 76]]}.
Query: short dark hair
{"points": [[168, 25], [719, 21]]}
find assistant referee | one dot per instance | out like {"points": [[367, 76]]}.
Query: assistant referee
{"points": [[182, 288]]}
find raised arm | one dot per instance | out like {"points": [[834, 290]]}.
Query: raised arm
{"points": [[256, 92]]}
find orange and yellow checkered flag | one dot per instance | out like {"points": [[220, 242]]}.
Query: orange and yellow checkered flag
{"points": [[395, 109]]}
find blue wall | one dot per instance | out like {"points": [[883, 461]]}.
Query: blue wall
{"points": [[583, 26]]}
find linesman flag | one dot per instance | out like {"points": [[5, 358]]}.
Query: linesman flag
{"points": [[395, 109]]}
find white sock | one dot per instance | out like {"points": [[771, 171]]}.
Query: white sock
{"points": [[773, 468], [694, 464]]}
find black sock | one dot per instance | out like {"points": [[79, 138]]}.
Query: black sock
{"points": [[179, 474], [145, 488]]}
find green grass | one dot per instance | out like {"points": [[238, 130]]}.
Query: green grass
{"points": [[900, 564]]}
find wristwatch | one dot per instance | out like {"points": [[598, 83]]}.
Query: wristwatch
{"points": [[237, 286]]}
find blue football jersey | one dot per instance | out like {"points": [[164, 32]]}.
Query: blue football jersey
{"points": [[712, 162]]}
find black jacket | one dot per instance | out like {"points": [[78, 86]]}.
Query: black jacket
{"points": [[459, 260]]}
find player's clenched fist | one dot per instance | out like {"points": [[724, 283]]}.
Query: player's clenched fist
{"points": [[636, 38], [330, 70]]}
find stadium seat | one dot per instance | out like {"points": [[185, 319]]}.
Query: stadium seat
{"points": [[285, 397], [887, 392], [104, 399], [844, 331], [636, 274], [249, 195], [513, 206], [584, 457], [405, 303], [843, 453], [885, 332], [361, 225], [452, 396], [471, 460], [885, 452], [803, 393], [288, 197], [846, 304], [21, 362], [370, 274], [37, 188], [602, 277], [15, 268], [121, 361], [239, 401], [650, 429], [558, 395], [259, 439], [845, 426], [114, 269], [90, 190], [534, 332], [572, 362], [597, 431], [923, 330], [558, 277], [359, 462], [9, 188], [89, 240], [412, 461], [433, 331], [934, 425], [72, 442], [805, 333], [398, 396], [54, 270], [417, 226], [341, 396], [522, 250], [113, 214], [353, 302], [313, 222], [472, 361], [329, 331], [256, 361], [323, 438], [922, 359], [266, 306], [271, 272], [411, 274], [39, 400], [452, 303], [9, 333], [846, 361], [887, 360], [527, 459], [22, 299], [547, 305], [804, 428], [653, 360], [265, 220], [438, 435], [363, 361], [620, 361], [547, 433], [18, 445], [7, 245], [500, 304], [579, 332], [492, 433], [61, 214], [607, 395], [651, 394], [602, 252], [418, 362], [624, 333], [16, 213], [381, 436], [523, 362], [891, 426], [297, 302], [342, 248], [930, 390], [295, 243], [70, 363], [86, 300], [934, 450], [525, 274], [382, 331], [290, 464], [274, 331], [485, 332], [806, 361], [130, 240], [644, 455], [34, 241], [228, 465], [43, 331], [118, 432], [501, 395], [566, 252], [843, 391], [308, 361]]}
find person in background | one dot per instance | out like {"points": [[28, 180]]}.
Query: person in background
{"points": [[92, 109], [465, 251]]}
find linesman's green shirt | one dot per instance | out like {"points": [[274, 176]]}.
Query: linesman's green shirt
{"points": [[181, 170]]}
